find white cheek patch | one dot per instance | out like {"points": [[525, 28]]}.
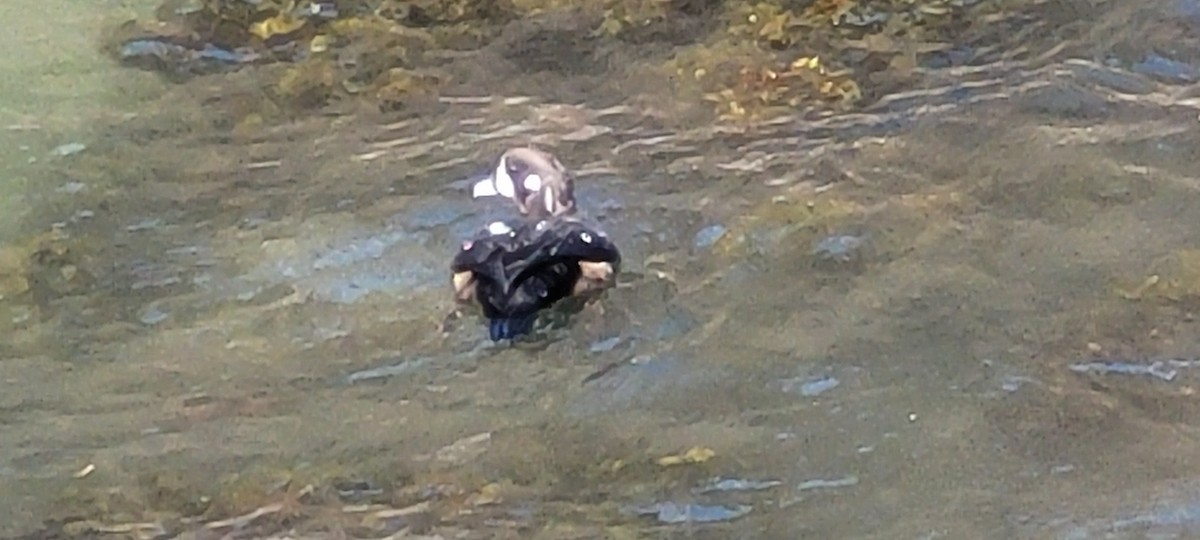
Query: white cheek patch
{"points": [[483, 188], [498, 227], [587, 238], [548, 199], [533, 182], [504, 183]]}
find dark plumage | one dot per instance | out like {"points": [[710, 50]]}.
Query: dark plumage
{"points": [[513, 274]]}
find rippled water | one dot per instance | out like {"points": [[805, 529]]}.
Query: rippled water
{"points": [[934, 318]]}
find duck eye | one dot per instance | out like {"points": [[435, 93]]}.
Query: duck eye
{"points": [[585, 237]]}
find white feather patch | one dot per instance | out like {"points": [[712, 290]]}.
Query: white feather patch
{"points": [[504, 183], [548, 198], [533, 182], [498, 227], [483, 188]]}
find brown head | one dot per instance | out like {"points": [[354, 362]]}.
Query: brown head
{"points": [[535, 180]]}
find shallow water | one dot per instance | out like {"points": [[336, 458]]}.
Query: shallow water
{"points": [[932, 318]]}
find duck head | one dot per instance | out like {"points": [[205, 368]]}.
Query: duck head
{"points": [[534, 179]]}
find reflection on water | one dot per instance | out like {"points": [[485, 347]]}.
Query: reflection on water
{"points": [[965, 311]]}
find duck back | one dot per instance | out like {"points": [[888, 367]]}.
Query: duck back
{"points": [[529, 269]]}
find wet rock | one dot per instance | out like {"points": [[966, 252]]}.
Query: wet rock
{"points": [[708, 236], [1166, 69], [675, 513]]}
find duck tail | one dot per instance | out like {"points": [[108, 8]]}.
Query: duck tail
{"points": [[512, 327]]}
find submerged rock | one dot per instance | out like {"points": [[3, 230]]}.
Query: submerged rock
{"points": [[823, 483], [839, 248], [163, 55], [68, 149], [811, 386], [1166, 69], [1165, 370], [402, 367], [349, 266], [709, 236], [675, 513]]}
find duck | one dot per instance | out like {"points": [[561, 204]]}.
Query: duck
{"points": [[515, 270]]}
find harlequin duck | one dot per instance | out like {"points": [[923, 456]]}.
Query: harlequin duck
{"points": [[515, 271]]}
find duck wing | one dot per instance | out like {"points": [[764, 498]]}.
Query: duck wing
{"points": [[519, 274], [559, 242]]}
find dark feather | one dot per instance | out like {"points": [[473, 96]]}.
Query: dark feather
{"points": [[519, 274]]}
